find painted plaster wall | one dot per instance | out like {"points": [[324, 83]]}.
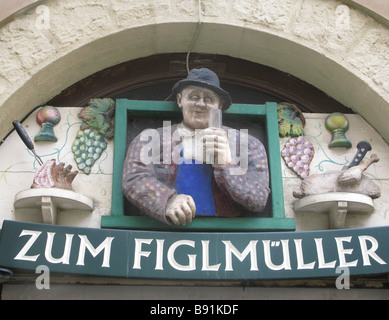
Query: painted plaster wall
{"points": [[334, 47], [327, 159], [17, 169]]}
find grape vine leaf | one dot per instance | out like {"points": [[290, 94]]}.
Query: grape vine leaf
{"points": [[99, 115], [291, 121]]}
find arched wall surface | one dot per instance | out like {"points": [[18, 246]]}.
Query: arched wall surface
{"points": [[336, 48]]}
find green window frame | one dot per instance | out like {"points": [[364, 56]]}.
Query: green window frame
{"points": [[156, 109]]}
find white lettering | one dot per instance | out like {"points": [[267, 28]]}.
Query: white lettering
{"points": [[366, 253], [342, 252], [275, 254], [138, 253], [285, 252], [206, 266], [300, 256], [22, 253], [66, 253], [158, 310], [85, 244], [320, 255], [250, 249], [173, 262], [159, 258]]}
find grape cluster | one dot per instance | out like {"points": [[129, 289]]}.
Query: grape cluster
{"points": [[87, 148], [298, 153]]}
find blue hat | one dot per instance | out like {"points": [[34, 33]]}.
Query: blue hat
{"points": [[204, 78]]}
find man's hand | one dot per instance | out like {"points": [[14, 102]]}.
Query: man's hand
{"points": [[216, 146], [181, 209]]}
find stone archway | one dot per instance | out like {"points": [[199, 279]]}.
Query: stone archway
{"points": [[329, 45]]}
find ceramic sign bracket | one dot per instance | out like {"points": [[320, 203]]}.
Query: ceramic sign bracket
{"points": [[50, 200], [336, 204]]}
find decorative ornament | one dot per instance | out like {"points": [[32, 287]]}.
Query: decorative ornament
{"points": [[353, 175], [98, 118], [47, 118], [87, 148], [297, 154], [99, 115], [338, 124], [51, 175], [291, 121], [350, 180]]}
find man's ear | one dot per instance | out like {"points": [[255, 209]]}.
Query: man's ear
{"points": [[179, 100]]}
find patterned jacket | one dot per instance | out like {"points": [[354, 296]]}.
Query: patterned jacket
{"points": [[150, 170]]}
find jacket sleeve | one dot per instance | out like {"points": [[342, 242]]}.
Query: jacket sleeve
{"points": [[247, 185], [140, 184]]}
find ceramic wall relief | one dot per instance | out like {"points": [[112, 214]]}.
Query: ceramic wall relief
{"points": [[51, 175], [291, 121], [298, 151], [47, 118], [98, 118], [338, 124], [298, 154], [87, 148], [349, 179]]}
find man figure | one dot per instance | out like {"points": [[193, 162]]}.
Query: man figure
{"points": [[185, 187]]}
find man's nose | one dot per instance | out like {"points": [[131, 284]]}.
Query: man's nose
{"points": [[200, 103]]}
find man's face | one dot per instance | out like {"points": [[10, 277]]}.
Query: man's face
{"points": [[195, 103]]}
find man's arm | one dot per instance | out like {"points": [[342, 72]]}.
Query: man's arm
{"points": [[141, 186], [154, 198], [249, 187]]}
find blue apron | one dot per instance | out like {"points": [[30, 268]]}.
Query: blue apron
{"points": [[195, 179]]}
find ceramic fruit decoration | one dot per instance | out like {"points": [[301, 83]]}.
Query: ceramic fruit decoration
{"points": [[297, 154], [47, 118], [87, 148], [338, 124], [98, 118], [291, 121]]}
